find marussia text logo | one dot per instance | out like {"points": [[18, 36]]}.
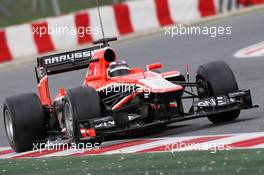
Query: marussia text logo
{"points": [[69, 56]]}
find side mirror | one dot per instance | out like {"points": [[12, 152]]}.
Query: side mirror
{"points": [[135, 70], [154, 66]]}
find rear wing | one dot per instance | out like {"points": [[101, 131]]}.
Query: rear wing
{"points": [[67, 61]]}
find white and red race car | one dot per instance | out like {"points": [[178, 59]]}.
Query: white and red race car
{"points": [[115, 98]]}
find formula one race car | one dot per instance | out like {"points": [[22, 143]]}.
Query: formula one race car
{"points": [[116, 99]]}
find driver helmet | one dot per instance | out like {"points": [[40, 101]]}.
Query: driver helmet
{"points": [[118, 68]]}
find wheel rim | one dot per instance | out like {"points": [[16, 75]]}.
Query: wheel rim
{"points": [[68, 119], [9, 126]]}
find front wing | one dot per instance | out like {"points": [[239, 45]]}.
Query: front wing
{"points": [[202, 108]]}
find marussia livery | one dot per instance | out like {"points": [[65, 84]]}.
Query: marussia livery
{"points": [[116, 99]]}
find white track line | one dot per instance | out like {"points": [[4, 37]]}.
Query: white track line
{"points": [[13, 154], [71, 152], [221, 143], [4, 148], [258, 146], [141, 147]]}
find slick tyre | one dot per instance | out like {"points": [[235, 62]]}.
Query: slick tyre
{"points": [[24, 121], [80, 103], [217, 78]]}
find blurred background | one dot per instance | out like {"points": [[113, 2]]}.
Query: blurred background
{"points": [[21, 11]]}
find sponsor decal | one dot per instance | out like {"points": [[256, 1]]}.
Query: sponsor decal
{"points": [[72, 56], [214, 101], [68, 56]]}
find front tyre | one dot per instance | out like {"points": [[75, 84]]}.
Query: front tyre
{"points": [[80, 104], [217, 78], [24, 121]]}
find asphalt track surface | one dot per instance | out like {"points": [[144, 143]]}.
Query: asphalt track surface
{"points": [[174, 53]]}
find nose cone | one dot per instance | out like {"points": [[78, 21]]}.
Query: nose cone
{"points": [[159, 85], [148, 82]]}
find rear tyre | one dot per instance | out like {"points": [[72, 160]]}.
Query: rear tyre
{"points": [[24, 121], [81, 103], [217, 78]]}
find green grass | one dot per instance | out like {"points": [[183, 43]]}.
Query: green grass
{"points": [[20, 11], [246, 162]]}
